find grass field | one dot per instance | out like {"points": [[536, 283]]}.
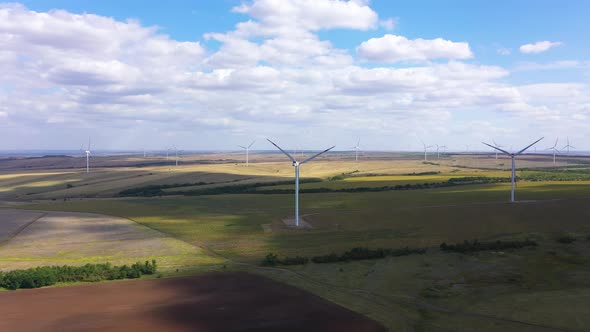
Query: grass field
{"points": [[516, 290]]}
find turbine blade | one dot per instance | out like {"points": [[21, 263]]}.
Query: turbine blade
{"points": [[316, 155], [523, 150], [88, 143], [243, 147], [251, 144], [497, 148], [283, 151]]}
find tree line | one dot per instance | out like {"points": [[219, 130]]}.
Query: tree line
{"points": [[475, 245], [252, 188], [50, 275], [358, 253]]}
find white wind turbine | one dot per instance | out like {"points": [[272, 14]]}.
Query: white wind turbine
{"points": [[425, 150], [296, 164], [444, 149], [568, 146], [498, 146], [87, 151], [356, 149], [247, 148], [554, 149], [513, 156], [176, 154]]}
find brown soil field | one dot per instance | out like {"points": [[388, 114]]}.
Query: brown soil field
{"points": [[211, 302]]}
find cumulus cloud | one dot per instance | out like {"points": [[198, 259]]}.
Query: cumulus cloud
{"points": [[538, 47], [392, 48], [272, 74], [311, 14]]}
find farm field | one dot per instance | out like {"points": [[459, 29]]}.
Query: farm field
{"points": [[512, 290], [62, 238], [201, 303]]}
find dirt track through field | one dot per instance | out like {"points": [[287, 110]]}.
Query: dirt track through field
{"points": [[211, 302]]}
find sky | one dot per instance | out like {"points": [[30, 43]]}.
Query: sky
{"points": [[211, 75]]}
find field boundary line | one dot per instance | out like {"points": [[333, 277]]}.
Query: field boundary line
{"points": [[21, 229]]}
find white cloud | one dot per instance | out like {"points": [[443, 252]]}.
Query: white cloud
{"points": [[538, 47], [392, 48], [504, 51], [311, 14], [388, 24], [271, 75]]}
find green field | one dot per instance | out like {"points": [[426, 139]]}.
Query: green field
{"points": [[513, 290]]}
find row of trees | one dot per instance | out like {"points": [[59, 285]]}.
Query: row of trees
{"points": [[475, 245], [157, 190], [358, 253], [363, 253], [50, 275]]}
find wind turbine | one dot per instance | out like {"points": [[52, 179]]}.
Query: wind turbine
{"points": [[568, 146], [296, 164], [247, 148], [554, 148], [176, 154], [425, 150], [444, 148], [513, 156], [87, 151], [356, 149], [498, 146]]}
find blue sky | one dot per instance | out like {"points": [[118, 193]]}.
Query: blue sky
{"points": [[383, 81]]}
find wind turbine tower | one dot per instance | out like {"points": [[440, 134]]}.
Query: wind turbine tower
{"points": [[87, 151], [513, 156], [426, 150], [356, 149], [554, 149], [247, 148], [296, 164]]}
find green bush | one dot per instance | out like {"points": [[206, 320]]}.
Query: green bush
{"points": [[50, 275]]}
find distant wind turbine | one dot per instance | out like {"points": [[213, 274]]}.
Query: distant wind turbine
{"points": [[568, 146], [498, 146], [296, 164], [87, 151], [513, 156], [356, 149], [554, 149], [247, 148], [425, 150]]}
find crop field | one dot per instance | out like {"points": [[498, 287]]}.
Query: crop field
{"points": [[62, 238], [502, 290]]}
